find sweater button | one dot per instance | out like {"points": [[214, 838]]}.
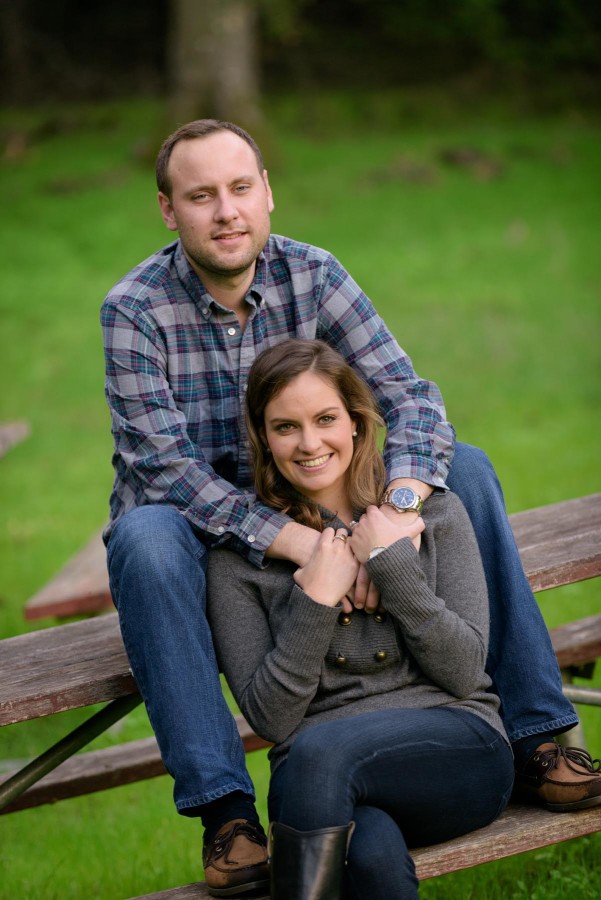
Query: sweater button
{"points": [[344, 619], [380, 655], [379, 617], [341, 660]]}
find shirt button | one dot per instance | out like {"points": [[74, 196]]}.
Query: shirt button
{"points": [[251, 539], [221, 529], [205, 312], [231, 331], [380, 655]]}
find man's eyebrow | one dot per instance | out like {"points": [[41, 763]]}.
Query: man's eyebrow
{"points": [[208, 187]]}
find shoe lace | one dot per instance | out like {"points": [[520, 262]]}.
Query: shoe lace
{"points": [[223, 842], [572, 757]]}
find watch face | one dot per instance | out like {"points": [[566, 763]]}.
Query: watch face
{"points": [[403, 497]]}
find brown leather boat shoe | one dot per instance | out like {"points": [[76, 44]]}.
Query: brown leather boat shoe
{"points": [[235, 861], [564, 779]]}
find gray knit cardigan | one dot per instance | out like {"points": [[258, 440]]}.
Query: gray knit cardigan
{"points": [[292, 663]]}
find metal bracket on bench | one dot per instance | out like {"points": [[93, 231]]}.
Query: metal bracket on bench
{"points": [[586, 695], [16, 785]]}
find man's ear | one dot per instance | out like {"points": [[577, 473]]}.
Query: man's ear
{"points": [[270, 203], [167, 211]]}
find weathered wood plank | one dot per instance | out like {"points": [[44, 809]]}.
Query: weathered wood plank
{"points": [[519, 829], [61, 668], [577, 642], [84, 662], [98, 770], [81, 586], [12, 433], [558, 544]]}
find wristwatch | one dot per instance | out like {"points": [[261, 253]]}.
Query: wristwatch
{"points": [[404, 499], [375, 552]]}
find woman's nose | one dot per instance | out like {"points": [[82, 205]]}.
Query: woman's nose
{"points": [[309, 440]]}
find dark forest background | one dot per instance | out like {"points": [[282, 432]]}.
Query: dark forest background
{"points": [[547, 51]]}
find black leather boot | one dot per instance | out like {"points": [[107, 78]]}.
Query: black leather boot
{"points": [[308, 865]]}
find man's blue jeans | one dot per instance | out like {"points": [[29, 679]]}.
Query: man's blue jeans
{"points": [[157, 574], [406, 777], [521, 660]]}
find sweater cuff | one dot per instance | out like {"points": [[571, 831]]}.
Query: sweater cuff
{"points": [[309, 629]]}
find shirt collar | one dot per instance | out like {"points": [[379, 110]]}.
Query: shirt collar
{"points": [[197, 290]]}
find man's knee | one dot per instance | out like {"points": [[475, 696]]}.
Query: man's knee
{"points": [[147, 529], [152, 541], [472, 475]]}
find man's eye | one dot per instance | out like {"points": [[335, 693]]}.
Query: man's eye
{"points": [[200, 197], [242, 188]]}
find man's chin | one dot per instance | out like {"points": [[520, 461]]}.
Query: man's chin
{"points": [[221, 268]]}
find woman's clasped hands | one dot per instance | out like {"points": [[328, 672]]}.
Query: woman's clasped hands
{"points": [[330, 575], [332, 569]]}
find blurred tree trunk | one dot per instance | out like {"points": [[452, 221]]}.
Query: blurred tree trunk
{"points": [[17, 62], [213, 65]]}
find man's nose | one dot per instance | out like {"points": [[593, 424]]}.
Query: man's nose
{"points": [[226, 209]]}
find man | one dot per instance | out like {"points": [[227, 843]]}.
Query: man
{"points": [[181, 331]]}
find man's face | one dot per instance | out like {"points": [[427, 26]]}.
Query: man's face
{"points": [[220, 204]]}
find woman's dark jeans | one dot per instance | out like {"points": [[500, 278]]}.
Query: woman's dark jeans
{"points": [[406, 777]]}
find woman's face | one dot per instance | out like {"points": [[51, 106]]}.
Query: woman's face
{"points": [[310, 434]]}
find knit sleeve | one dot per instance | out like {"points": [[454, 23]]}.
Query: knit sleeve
{"points": [[273, 677], [445, 628]]}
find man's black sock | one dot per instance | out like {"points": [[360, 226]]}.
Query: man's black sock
{"points": [[236, 805], [525, 747]]}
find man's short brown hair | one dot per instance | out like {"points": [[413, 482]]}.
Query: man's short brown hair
{"points": [[198, 129]]}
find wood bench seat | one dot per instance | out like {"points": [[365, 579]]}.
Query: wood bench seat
{"points": [[558, 544], [518, 829], [85, 663]]}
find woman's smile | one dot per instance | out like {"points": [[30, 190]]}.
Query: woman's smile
{"points": [[314, 463], [310, 434]]}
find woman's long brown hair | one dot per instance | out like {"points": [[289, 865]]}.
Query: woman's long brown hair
{"points": [[270, 373]]}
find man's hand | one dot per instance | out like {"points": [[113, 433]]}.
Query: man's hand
{"points": [[294, 542], [408, 518], [377, 529], [331, 571], [403, 521]]}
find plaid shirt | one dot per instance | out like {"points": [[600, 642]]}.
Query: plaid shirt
{"points": [[176, 369]]}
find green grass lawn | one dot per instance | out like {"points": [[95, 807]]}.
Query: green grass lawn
{"points": [[487, 271]]}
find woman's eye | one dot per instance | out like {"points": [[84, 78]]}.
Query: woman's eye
{"points": [[327, 420], [283, 429]]}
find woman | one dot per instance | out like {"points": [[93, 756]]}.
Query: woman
{"points": [[385, 732]]}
